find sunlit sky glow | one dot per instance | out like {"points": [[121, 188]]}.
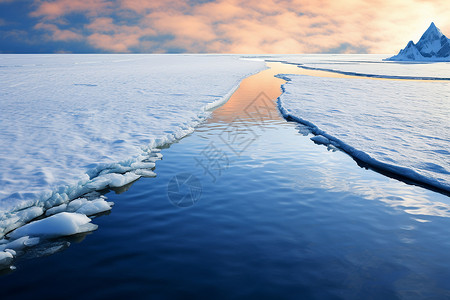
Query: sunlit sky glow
{"points": [[221, 26]]}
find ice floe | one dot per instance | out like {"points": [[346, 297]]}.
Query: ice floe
{"points": [[400, 128]]}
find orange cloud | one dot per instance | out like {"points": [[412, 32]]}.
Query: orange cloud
{"points": [[252, 26]]}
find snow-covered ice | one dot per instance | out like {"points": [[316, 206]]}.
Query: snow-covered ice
{"points": [[84, 206], [70, 124], [402, 127]]}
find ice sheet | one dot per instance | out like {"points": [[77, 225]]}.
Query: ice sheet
{"points": [[402, 127], [70, 124]]}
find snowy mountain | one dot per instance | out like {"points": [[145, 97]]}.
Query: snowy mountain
{"points": [[432, 46]]}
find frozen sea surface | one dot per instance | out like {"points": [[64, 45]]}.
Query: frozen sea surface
{"points": [[402, 127], [74, 123]]}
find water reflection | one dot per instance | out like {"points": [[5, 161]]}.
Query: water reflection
{"points": [[254, 99]]}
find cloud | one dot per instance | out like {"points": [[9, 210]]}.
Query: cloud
{"points": [[107, 35], [58, 34], [238, 26], [58, 8], [16, 34]]}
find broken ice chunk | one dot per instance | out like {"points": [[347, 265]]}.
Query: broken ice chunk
{"points": [[61, 224], [6, 259]]}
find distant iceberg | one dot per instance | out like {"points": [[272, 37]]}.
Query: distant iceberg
{"points": [[432, 46]]}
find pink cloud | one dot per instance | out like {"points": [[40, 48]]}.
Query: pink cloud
{"points": [[183, 26], [119, 42], [252, 26]]}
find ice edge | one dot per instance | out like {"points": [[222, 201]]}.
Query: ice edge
{"points": [[102, 176]]}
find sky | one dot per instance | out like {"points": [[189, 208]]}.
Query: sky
{"points": [[216, 26]]}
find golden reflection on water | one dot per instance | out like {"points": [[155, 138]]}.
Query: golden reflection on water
{"points": [[256, 91]]}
